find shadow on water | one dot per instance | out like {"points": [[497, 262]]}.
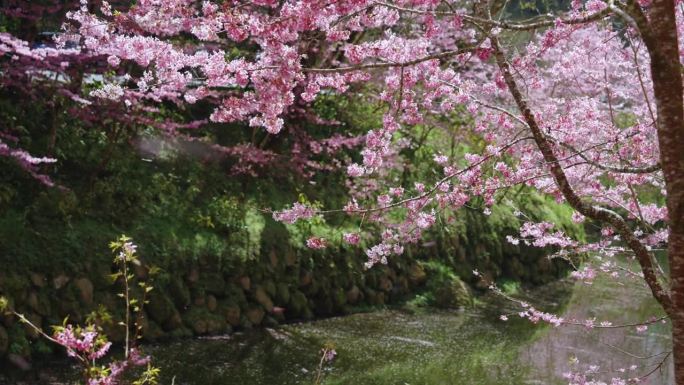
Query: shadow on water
{"points": [[429, 346]]}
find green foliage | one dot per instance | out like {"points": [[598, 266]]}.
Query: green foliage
{"points": [[179, 207], [18, 341], [438, 274], [509, 286], [444, 289], [148, 377], [184, 208]]}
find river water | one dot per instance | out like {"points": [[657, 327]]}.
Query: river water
{"points": [[428, 346], [441, 347]]}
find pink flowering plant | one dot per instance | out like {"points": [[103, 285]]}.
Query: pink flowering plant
{"points": [[89, 345], [328, 354]]}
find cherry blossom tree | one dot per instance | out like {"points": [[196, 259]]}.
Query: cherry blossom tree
{"points": [[60, 79], [584, 104]]}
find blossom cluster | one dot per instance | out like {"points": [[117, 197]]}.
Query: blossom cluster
{"points": [[82, 342], [591, 144]]}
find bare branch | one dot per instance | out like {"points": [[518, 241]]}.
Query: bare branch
{"points": [[441, 55], [504, 24], [620, 170]]}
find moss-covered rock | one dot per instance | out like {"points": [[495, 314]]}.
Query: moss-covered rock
{"points": [[85, 290], [181, 332], [38, 302], [4, 341], [273, 257], [38, 279], [453, 293], [193, 275], [115, 332], [71, 308], [201, 321], [174, 322], [401, 286], [305, 278], [212, 303], [514, 269], [290, 257], [235, 294], [160, 307], [282, 295], [232, 313], [245, 282], [199, 296], [340, 298], [353, 295], [262, 298], [216, 325], [213, 282], [255, 314], [270, 288], [385, 284], [151, 331], [18, 341], [60, 280], [298, 304], [179, 292]]}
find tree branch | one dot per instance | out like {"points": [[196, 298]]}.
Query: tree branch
{"points": [[563, 184], [505, 24], [620, 170], [441, 55]]}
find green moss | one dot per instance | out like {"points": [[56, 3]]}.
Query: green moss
{"points": [[509, 287]]}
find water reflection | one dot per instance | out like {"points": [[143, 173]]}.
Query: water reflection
{"points": [[435, 347], [615, 351]]}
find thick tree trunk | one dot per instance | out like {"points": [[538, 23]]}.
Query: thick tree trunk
{"points": [[676, 257], [662, 43]]}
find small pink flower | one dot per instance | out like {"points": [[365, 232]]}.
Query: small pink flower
{"points": [[316, 243], [351, 207], [355, 170], [329, 355], [297, 212], [113, 61], [441, 159], [100, 352], [351, 238], [384, 200], [136, 358]]}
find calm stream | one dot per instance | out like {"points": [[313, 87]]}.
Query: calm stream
{"points": [[437, 347]]}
